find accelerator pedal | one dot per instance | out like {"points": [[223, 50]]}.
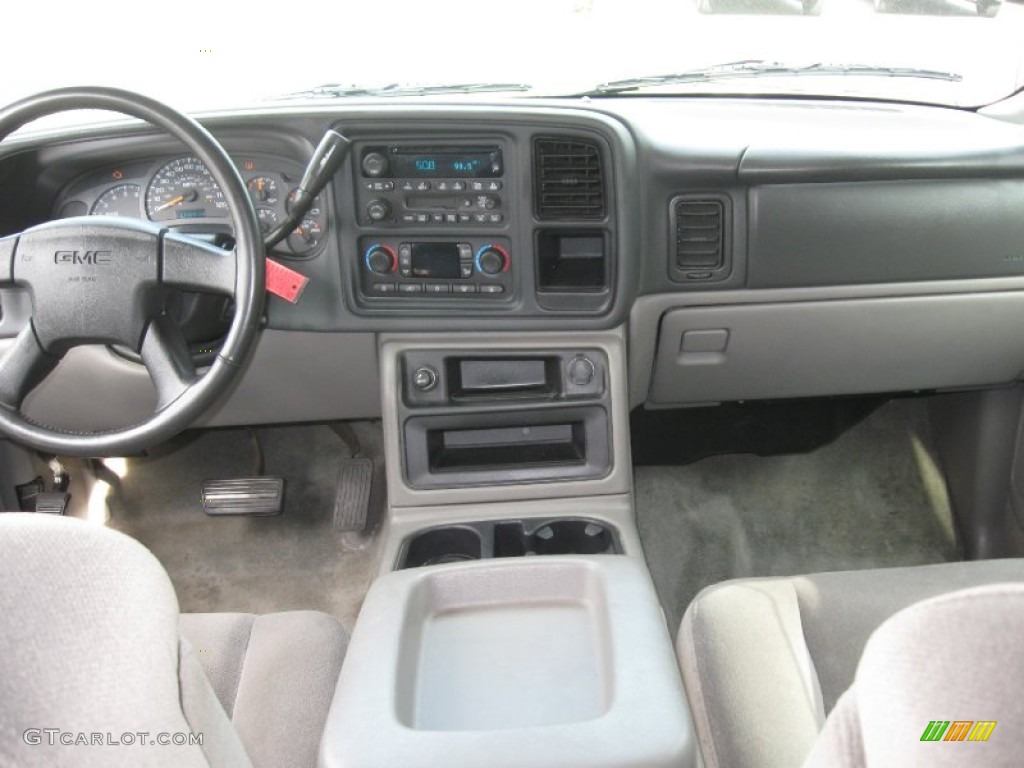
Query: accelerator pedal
{"points": [[253, 496], [352, 501]]}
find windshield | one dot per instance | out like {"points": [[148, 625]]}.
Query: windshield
{"points": [[214, 55]]}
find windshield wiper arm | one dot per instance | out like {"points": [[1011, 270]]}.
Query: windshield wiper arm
{"points": [[762, 68], [335, 91]]}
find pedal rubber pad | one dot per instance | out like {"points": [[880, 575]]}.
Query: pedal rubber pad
{"points": [[53, 502], [255, 496], [352, 502]]}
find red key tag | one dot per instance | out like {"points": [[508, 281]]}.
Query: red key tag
{"points": [[284, 282]]}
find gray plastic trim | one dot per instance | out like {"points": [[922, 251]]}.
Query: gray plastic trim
{"points": [[618, 480], [574, 669], [291, 377], [840, 347]]}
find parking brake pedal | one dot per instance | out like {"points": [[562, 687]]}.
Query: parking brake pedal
{"points": [[352, 502], [254, 496]]}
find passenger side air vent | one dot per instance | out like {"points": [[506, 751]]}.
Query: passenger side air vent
{"points": [[568, 179], [700, 233]]}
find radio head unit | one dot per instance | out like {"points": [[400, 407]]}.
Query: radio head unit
{"points": [[438, 185]]}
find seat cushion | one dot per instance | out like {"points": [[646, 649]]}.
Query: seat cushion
{"points": [[274, 675], [764, 660]]}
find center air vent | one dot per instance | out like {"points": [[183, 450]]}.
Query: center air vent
{"points": [[569, 183]]}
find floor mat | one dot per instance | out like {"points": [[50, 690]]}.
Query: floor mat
{"points": [[873, 498], [259, 565]]}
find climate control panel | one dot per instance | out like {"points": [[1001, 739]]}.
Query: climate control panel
{"points": [[435, 267]]}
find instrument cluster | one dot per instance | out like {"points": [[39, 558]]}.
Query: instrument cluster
{"points": [[181, 193]]}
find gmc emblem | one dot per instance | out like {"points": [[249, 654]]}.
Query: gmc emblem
{"points": [[82, 257]]}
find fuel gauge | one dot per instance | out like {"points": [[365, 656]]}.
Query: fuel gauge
{"points": [[263, 190], [309, 235]]}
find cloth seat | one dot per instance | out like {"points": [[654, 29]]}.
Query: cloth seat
{"points": [[765, 660], [97, 668]]}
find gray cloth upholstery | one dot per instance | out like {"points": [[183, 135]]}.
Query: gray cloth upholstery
{"points": [[89, 646], [757, 653], [91, 643], [953, 658], [275, 675]]}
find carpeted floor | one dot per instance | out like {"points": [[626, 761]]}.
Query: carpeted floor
{"points": [[873, 498], [292, 561]]}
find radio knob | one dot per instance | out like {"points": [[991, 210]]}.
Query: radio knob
{"points": [[380, 259], [378, 210], [374, 164], [491, 260]]}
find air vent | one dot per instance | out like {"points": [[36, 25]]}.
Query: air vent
{"points": [[569, 185], [700, 234]]}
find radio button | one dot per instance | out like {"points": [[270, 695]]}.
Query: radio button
{"points": [[437, 218], [480, 218], [438, 288], [450, 218], [422, 186], [463, 288], [441, 186], [465, 218], [408, 186], [476, 186], [410, 288], [384, 288], [492, 289], [496, 218], [493, 186], [378, 210], [458, 186]]}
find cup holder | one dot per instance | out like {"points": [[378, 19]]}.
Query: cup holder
{"points": [[518, 538], [443, 545]]}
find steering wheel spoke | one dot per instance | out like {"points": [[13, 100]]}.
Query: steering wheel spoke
{"points": [[7, 249], [197, 266], [23, 368], [167, 359]]}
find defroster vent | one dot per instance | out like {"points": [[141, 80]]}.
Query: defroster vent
{"points": [[569, 183], [700, 233]]}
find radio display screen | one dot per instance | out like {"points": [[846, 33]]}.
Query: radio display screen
{"points": [[435, 260], [446, 165]]}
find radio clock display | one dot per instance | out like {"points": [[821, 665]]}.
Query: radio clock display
{"points": [[485, 163]]}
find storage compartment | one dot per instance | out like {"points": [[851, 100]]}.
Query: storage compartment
{"points": [[573, 269], [554, 662], [503, 377], [857, 346], [507, 447], [485, 659], [508, 538]]}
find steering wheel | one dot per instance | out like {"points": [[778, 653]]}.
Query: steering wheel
{"points": [[99, 280]]}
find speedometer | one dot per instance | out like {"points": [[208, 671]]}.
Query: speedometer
{"points": [[184, 189]]}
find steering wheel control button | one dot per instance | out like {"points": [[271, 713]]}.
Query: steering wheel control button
{"points": [[581, 371], [424, 378]]}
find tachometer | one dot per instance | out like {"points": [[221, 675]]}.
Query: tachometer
{"points": [[121, 200], [184, 189]]}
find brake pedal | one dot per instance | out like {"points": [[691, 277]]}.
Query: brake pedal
{"points": [[53, 502], [352, 501], [253, 496]]}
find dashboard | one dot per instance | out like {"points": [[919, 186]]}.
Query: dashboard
{"points": [[747, 248]]}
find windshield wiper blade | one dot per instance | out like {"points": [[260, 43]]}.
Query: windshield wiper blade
{"points": [[336, 91], [762, 68]]}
